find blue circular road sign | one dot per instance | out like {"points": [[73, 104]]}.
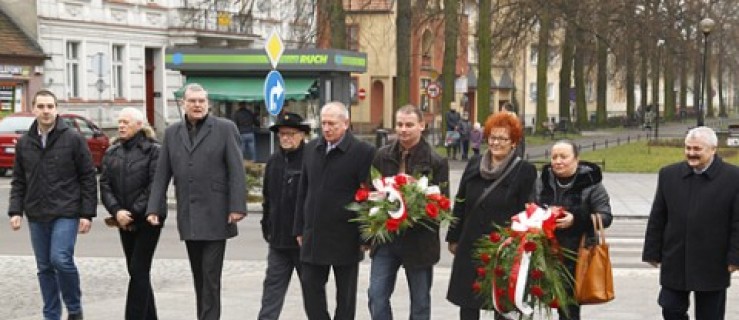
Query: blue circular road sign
{"points": [[274, 92]]}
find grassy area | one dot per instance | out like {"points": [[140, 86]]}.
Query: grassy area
{"points": [[640, 157]]}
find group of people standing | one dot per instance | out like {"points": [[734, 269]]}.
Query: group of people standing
{"points": [[461, 135], [307, 186]]}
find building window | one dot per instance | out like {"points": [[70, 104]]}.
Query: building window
{"points": [[534, 55], [352, 37], [73, 69], [117, 82], [550, 91]]}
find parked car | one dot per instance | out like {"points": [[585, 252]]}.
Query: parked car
{"points": [[14, 125]]}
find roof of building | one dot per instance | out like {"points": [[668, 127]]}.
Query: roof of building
{"points": [[506, 82], [15, 42]]}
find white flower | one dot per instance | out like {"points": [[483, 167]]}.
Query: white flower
{"points": [[376, 196], [373, 211], [423, 183], [433, 190]]}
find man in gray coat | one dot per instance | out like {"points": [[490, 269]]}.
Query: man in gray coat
{"points": [[202, 154], [693, 229]]}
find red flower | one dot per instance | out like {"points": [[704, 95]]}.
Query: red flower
{"points": [[529, 246], [435, 197], [476, 287], [444, 203], [392, 225], [485, 258], [536, 291], [495, 237], [361, 195], [499, 271], [500, 292], [432, 211], [536, 274], [481, 271], [401, 180], [554, 304]]}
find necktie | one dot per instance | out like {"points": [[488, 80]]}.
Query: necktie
{"points": [[403, 160]]}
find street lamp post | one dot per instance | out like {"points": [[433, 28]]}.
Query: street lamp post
{"points": [[660, 42], [706, 26]]}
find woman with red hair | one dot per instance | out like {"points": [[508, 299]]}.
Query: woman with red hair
{"points": [[493, 188]]}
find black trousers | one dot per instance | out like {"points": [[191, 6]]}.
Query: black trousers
{"points": [[709, 305], [206, 262], [139, 246], [314, 278]]}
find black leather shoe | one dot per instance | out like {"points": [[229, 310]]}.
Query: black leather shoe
{"points": [[76, 316]]}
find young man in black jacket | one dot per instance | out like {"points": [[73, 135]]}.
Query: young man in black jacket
{"points": [[417, 249], [279, 190], [54, 186]]}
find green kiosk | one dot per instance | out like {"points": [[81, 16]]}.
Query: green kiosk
{"points": [[236, 76]]}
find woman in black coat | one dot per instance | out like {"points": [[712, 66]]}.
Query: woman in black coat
{"points": [[476, 217], [576, 186], [128, 169]]}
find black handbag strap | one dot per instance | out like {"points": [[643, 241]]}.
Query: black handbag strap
{"points": [[489, 189]]}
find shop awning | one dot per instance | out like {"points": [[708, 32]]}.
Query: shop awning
{"points": [[247, 89]]}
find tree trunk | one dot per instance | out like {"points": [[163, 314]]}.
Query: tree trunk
{"points": [[403, 54], [484, 48], [581, 108], [338, 24], [449, 69], [720, 79], [630, 81], [710, 113], [601, 114], [643, 78], [565, 72], [669, 84], [542, 66]]}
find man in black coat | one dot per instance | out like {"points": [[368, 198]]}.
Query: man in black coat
{"points": [[54, 186], [693, 229], [279, 193], [334, 166], [417, 250], [201, 153]]}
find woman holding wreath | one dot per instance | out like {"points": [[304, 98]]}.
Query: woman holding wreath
{"points": [[576, 186], [493, 188]]}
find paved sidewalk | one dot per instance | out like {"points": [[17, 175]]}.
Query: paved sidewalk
{"points": [[636, 293]]}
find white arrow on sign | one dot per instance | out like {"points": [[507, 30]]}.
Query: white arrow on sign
{"points": [[274, 94]]}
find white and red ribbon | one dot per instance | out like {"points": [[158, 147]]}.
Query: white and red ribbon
{"points": [[533, 220]]}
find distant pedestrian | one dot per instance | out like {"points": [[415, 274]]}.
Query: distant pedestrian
{"points": [[279, 195], [692, 234], [476, 138], [201, 153], [452, 118], [128, 171], [247, 123], [464, 128], [334, 166], [54, 185]]}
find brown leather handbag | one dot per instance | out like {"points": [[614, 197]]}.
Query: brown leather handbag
{"points": [[593, 275]]}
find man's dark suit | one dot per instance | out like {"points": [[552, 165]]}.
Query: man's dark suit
{"points": [[210, 183], [328, 183]]}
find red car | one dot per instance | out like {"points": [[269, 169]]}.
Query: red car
{"points": [[14, 125]]}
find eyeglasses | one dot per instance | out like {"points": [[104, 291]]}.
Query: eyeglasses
{"points": [[287, 134], [498, 139]]}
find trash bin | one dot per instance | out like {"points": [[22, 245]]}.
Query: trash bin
{"points": [[380, 137]]}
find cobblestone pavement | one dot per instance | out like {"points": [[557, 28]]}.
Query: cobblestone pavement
{"points": [[104, 292]]}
